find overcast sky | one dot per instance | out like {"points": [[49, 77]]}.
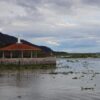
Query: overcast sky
{"points": [[66, 25]]}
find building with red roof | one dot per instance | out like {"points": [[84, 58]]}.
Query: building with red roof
{"points": [[19, 50]]}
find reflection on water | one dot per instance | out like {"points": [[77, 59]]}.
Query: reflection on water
{"points": [[73, 79]]}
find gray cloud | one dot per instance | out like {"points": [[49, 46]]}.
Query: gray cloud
{"points": [[61, 6], [92, 2], [66, 24]]}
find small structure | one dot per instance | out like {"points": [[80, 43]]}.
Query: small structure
{"points": [[24, 54], [19, 50]]}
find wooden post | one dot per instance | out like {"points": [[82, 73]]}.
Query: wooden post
{"points": [[22, 54], [31, 54], [51, 54], [36, 54], [3, 55], [10, 54]]}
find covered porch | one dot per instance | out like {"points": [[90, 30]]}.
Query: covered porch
{"points": [[19, 54], [19, 50]]}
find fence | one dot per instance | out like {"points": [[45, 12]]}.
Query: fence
{"points": [[24, 61]]}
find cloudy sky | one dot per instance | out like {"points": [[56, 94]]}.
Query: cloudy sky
{"points": [[67, 25]]}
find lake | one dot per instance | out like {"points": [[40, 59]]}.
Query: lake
{"points": [[73, 79]]}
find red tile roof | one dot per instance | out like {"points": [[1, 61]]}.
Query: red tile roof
{"points": [[19, 46]]}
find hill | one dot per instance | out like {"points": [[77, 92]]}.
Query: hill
{"points": [[7, 40]]}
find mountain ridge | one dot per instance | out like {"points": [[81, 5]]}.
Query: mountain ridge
{"points": [[6, 40]]}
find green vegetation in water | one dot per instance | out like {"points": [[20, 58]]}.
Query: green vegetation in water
{"points": [[87, 88], [64, 73], [22, 67], [76, 55], [75, 78]]}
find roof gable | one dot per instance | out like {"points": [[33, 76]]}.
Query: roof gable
{"points": [[19, 46]]}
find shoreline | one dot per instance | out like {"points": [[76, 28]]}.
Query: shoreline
{"points": [[28, 63], [22, 67]]}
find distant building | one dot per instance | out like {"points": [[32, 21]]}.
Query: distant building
{"points": [[19, 50]]}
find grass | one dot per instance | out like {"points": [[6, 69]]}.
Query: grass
{"points": [[22, 67]]}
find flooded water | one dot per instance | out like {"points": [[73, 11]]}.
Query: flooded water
{"points": [[73, 79]]}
